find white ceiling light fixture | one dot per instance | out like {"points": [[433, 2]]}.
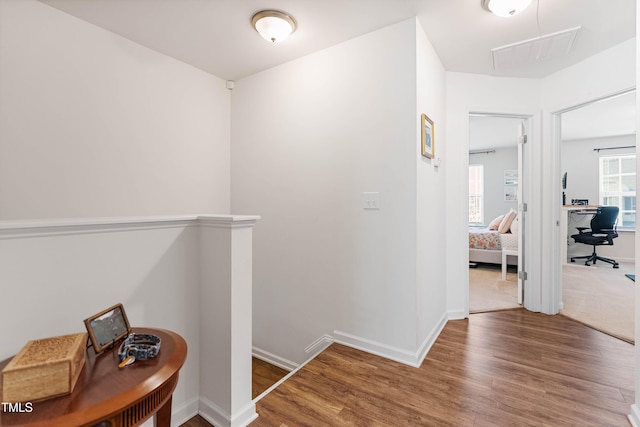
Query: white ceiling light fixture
{"points": [[505, 8], [273, 25]]}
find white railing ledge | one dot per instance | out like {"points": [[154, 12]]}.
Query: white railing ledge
{"points": [[230, 218], [88, 224]]}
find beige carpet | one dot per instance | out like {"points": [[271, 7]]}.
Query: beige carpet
{"points": [[487, 290], [601, 297]]}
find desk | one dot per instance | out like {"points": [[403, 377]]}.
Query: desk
{"points": [[564, 224], [108, 396]]}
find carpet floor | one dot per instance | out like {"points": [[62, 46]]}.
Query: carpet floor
{"points": [[598, 296], [487, 290], [601, 297]]}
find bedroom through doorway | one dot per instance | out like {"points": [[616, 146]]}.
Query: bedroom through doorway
{"points": [[495, 224]]}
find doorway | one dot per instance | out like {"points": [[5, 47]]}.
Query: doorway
{"points": [[598, 167], [496, 218]]}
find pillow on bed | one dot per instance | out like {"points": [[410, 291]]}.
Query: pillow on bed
{"points": [[493, 225], [514, 226], [505, 224]]}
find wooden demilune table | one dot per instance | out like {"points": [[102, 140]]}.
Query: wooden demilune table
{"points": [[108, 396]]}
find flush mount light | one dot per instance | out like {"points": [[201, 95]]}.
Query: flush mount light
{"points": [[273, 25], [505, 8]]}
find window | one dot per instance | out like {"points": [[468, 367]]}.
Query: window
{"points": [[476, 194], [618, 187]]}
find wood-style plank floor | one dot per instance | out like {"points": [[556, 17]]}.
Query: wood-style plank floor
{"points": [[502, 368], [264, 375]]}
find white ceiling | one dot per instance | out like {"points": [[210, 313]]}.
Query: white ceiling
{"points": [[216, 36]]}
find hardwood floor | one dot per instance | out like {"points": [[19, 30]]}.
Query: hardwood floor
{"points": [[503, 368], [264, 376], [197, 421]]}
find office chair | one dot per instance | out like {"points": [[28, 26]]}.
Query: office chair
{"points": [[602, 232]]}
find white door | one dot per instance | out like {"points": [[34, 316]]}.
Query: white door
{"points": [[522, 208]]}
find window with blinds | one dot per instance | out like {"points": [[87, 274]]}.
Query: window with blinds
{"points": [[618, 187]]}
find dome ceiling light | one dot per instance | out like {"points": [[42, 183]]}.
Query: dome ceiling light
{"points": [[273, 25], [505, 8]]}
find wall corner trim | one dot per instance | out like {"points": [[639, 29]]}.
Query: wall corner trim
{"points": [[634, 416], [218, 417], [411, 358]]}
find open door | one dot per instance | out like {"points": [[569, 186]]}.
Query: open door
{"points": [[498, 156], [522, 208]]}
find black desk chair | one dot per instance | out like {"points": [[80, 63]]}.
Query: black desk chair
{"points": [[602, 232]]}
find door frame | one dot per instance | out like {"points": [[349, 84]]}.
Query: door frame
{"points": [[530, 302], [556, 303]]}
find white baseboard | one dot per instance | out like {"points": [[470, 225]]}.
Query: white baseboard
{"points": [[431, 338], [634, 416], [457, 315], [393, 353], [318, 346], [184, 413], [278, 361], [220, 418]]}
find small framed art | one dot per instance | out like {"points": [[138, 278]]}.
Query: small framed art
{"points": [[107, 327], [511, 177], [428, 140]]}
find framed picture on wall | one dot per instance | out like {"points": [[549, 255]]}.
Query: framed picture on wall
{"points": [[511, 177], [428, 140], [510, 193]]}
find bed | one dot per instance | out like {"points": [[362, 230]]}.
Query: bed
{"points": [[486, 245]]}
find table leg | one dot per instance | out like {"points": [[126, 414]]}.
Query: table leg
{"points": [[163, 416]]}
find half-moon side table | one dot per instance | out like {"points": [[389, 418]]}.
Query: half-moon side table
{"points": [[108, 396]]}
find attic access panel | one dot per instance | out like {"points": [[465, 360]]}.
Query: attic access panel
{"points": [[528, 52]]}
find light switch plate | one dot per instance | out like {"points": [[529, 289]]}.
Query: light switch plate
{"points": [[371, 200]]}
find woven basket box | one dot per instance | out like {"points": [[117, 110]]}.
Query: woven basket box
{"points": [[44, 368]]}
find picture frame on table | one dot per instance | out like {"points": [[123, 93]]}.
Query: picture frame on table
{"points": [[107, 327]]}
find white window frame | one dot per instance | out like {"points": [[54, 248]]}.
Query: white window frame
{"points": [[480, 196], [619, 194]]}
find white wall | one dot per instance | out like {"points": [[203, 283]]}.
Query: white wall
{"points": [[598, 76], [95, 125], [610, 72], [472, 93], [431, 189], [308, 138], [581, 163], [494, 166], [187, 274], [54, 278]]}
